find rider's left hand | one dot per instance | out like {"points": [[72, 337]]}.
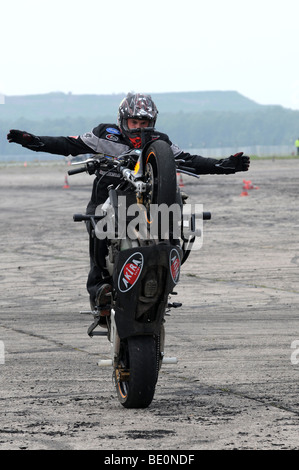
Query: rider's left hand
{"points": [[234, 163]]}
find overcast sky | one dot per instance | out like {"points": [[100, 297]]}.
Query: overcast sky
{"points": [[103, 47]]}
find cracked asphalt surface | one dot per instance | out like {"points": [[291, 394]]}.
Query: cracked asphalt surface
{"points": [[236, 383]]}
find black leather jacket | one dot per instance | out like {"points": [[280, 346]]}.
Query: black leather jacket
{"points": [[109, 140]]}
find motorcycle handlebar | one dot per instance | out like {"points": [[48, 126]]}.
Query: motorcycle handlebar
{"points": [[76, 170], [80, 217]]}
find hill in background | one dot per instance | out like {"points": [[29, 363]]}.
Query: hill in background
{"points": [[203, 119], [61, 105]]}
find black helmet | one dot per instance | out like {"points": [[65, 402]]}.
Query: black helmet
{"points": [[136, 106]]}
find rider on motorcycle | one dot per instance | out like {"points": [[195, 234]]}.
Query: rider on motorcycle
{"points": [[135, 111]]}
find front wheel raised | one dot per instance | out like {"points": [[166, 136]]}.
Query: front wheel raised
{"points": [[160, 170], [136, 374], [160, 200]]}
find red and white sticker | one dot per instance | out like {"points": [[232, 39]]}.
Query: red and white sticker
{"points": [[130, 272], [175, 265]]}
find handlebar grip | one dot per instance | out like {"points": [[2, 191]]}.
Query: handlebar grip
{"points": [[80, 217], [206, 215], [76, 170]]}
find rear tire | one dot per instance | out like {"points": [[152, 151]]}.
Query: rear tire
{"points": [[136, 374]]}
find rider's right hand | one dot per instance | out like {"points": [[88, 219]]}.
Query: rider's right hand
{"points": [[23, 138]]}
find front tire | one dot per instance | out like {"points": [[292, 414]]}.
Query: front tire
{"points": [[160, 163], [160, 174]]}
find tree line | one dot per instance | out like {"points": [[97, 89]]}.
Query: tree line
{"points": [[272, 125]]}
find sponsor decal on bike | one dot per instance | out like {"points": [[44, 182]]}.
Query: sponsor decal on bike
{"points": [[112, 137], [130, 272], [111, 130], [110, 173], [175, 265]]}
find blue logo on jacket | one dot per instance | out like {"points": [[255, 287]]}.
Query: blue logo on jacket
{"points": [[113, 131]]}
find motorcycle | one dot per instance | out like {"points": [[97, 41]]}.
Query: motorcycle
{"points": [[145, 254]]}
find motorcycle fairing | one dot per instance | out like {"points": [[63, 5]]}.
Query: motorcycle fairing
{"points": [[143, 279]]}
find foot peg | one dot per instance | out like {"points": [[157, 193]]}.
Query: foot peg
{"points": [[169, 360], [105, 362], [174, 305], [165, 360]]}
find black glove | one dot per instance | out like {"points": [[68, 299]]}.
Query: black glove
{"points": [[234, 163], [24, 138]]}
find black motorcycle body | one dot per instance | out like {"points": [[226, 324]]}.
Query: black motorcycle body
{"points": [[144, 269]]}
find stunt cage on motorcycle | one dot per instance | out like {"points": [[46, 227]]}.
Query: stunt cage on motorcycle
{"points": [[144, 264]]}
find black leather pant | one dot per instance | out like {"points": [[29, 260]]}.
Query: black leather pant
{"points": [[98, 273]]}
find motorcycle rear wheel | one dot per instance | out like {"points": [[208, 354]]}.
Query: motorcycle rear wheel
{"points": [[136, 374]]}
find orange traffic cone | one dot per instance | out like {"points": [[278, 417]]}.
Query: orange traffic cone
{"points": [[66, 184], [248, 185], [181, 183]]}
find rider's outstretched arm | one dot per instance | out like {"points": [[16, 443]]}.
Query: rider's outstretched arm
{"points": [[56, 145], [212, 166]]}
